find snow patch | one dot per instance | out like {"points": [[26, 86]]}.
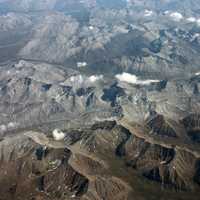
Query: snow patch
{"points": [[133, 79]]}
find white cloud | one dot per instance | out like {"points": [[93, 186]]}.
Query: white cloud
{"points": [[91, 27], [147, 82], [81, 64], [12, 124], [77, 79], [197, 74], [133, 79], [95, 78], [126, 77], [198, 22], [81, 80], [195, 36], [58, 135], [3, 127], [176, 16], [166, 12], [148, 13], [191, 19]]}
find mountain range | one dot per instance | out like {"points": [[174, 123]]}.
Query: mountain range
{"points": [[99, 100]]}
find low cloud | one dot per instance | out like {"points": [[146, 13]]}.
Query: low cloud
{"points": [[148, 13], [10, 125], [176, 16], [95, 78], [77, 79], [133, 79], [197, 74], [191, 19], [58, 135], [81, 64]]}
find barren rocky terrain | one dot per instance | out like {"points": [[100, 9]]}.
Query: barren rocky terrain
{"points": [[99, 100]]}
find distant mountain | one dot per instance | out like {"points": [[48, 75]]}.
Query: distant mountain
{"points": [[162, 5], [99, 99], [38, 5]]}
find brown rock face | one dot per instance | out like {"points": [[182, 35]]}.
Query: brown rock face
{"points": [[99, 162], [30, 171]]}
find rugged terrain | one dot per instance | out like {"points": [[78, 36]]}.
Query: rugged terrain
{"points": [[121, 140], [120, 80]]}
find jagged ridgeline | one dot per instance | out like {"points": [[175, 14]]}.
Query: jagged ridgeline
{"points": [[99, 100]]}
